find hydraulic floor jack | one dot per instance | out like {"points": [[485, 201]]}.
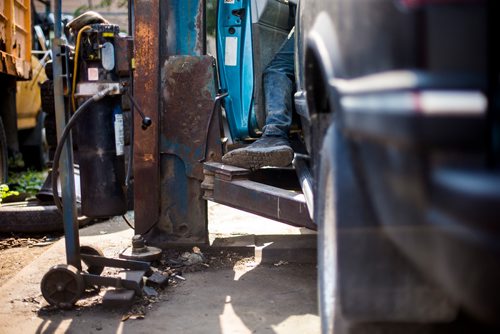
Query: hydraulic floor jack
{"points": [[99, 67]]}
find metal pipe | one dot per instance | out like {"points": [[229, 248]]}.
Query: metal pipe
{"points": [[305, 179], [72, 240]]}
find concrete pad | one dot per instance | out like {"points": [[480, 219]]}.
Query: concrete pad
{"points": [[273, 294]]}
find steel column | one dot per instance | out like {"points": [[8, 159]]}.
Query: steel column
{"points": [[146, 92], [188, 94], [186, 101], [170, 41], [183, 28]]}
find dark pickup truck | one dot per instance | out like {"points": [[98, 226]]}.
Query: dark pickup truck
{"points": [[408, 191], [398, 105]]}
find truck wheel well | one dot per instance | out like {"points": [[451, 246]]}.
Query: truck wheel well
{"points": [[316, 85]]}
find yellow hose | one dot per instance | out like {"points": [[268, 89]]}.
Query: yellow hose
{"points": [[75, 67]]}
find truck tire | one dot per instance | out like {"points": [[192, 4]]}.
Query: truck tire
{"points": [[3, 154], [339, 201], [33, 145], [47, 96], [50, 134], [30, 217]]}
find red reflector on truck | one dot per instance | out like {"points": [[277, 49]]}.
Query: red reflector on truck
{"points": [[421, 3]]}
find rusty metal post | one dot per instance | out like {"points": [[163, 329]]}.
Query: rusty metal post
{"points": [[146, 91], [188, 121], [174, 84]]}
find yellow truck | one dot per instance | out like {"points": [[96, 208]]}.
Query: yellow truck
{"points": [[20, 75]]}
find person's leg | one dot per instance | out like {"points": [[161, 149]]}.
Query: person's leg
{"points": [[273, 148], [278, 82]]}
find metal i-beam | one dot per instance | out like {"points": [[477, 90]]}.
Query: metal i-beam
{"points": [[146, 92], [233, 186], [174, 84]]}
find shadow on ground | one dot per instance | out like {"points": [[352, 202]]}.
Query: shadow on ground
{"points": [[272, 293]]}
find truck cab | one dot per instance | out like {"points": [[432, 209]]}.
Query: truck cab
{"points": [[15, 50], [21, 73]]}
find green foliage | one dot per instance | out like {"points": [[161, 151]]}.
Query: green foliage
{"points": [[28, 182], [6, 192]]}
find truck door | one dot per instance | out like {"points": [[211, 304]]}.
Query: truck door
{"points": [[249, 33]]}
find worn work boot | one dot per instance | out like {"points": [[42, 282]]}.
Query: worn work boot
{"points": [[266, 151]]}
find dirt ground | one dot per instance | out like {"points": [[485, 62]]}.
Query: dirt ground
{"points": [[263, 280], [17, 251]]}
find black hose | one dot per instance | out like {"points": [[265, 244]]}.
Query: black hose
{"points": [[64, 137], [127, 222]]}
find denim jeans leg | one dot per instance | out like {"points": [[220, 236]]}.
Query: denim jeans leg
{"points": [[278, 81]]}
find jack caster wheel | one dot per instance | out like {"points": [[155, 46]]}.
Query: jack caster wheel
{"points": [[62, 286], [92, 250]]}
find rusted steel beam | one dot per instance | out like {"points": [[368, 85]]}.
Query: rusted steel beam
{"points": [[264, 200], [232, 186], [146, 92], [188, 120]]}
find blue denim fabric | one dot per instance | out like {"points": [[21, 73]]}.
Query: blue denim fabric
{"points": [[279, 82]]}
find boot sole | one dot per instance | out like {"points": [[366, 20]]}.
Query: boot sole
{"points": [[255, 160]]}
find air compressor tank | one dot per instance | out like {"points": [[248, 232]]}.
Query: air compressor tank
{"points": [[100, 129]]}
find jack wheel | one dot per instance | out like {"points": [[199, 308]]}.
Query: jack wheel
{"points": [[92, 250], [62, 286]]}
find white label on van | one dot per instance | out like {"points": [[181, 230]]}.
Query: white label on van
{"points": [[228, 1], [231, 51], [119, 134], [93, 73]]}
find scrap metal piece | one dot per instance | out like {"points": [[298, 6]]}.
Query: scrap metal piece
{"points": [[128, 279], [179, 277], [118, 298], [157, 280], [149, 291]]}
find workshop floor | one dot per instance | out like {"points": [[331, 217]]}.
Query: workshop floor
{"points": [[271, 289]]}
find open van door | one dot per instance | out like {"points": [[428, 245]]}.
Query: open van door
{"points": [[249, 33]]}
